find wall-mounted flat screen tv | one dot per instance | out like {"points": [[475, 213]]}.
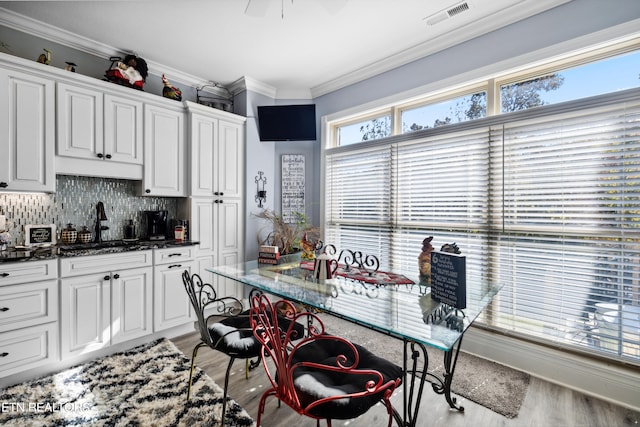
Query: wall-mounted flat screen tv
{"points": [[287, 122]]}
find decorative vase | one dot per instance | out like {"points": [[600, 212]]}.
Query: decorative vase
{"points": [[69, 235]]}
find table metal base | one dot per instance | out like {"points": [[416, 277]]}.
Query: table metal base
{"points": [[419, 374]]}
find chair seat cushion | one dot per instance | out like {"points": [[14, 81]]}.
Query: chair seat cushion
{"points": [[314, 384], [237, 337]]}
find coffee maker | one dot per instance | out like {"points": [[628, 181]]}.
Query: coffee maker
{"points": [[157, 224]]}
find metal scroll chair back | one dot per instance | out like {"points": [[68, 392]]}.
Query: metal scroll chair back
{"points": [[320, 375], [223, 326]]}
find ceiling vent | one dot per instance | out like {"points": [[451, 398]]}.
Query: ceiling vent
{"points": [[446, 13]]}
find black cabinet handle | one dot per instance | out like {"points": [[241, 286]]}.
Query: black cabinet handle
{"points": [[100, 155], [4, 309], [221, 193], [147, 191], [3, 185], [4, 274], [175, 266], [108, 156], [216, 193], [116, 276], [107, 277], [170, 255], [5, 354]]}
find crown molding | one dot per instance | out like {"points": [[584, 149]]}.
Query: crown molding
{"points": [[44, 30], [246, 83], [11, 19], [512, 14]]}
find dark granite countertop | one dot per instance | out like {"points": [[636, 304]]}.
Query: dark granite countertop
{"points": [[16, 254]]}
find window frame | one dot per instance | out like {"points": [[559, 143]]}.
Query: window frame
{"points": [[493, 115]]}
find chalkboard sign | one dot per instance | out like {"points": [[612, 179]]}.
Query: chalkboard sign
{"points": [[449, 279], [40, 234]]}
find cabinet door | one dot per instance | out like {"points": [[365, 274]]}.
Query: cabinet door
{"points": [[28, 348], [131, 304], [85, 313], [229, 239], [28, 304], [123, 129], [171, 303], [80, 122], [204, 139], [229, 164], [164, 152], [202, 225], [27, 120]]}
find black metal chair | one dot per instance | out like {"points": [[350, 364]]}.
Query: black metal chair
{"points": [[223, 326]]}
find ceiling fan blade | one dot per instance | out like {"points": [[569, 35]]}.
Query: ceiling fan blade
{"points": [[257, 8]]}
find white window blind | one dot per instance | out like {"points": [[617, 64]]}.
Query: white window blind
{"points": [[440, 190], [358, 200], [566, 215], [546, 202]]}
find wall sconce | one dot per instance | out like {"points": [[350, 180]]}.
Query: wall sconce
{"points": [[261, 193]]}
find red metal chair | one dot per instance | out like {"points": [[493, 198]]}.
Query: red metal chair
{"points": [[320, 375]]}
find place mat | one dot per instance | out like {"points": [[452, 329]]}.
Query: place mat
{"points": [[379, 278]]}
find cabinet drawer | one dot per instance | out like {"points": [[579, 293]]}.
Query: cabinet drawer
{"points": [[28, 304], [27, 348], [12, 273], [172, 255], [78, 266]]}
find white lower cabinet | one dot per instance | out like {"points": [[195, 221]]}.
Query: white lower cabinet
{"points": [[218, 225], [85, 313], [28, 315], [105, 307], [60, 309], [171, 303], [27, 348], [131, 305]]}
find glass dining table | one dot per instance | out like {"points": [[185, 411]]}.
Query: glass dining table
{"points": [[402, 309]]}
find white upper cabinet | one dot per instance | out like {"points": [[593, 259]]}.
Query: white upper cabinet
{"points": [[164, 151], [204, 139], [217, 152], [230, 164], [99, 133], [27, 123], [123, 129], [80, 122]]}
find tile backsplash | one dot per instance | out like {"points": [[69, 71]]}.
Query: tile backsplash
{"points": [[75, 202]]}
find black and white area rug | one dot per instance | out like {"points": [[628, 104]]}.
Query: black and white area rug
{"points": [[144, 386]]}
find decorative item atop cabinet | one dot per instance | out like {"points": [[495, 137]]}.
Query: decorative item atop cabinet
{"points": [[170, 91], [131, 71], [218, 96]]}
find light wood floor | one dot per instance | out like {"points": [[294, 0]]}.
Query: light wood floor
{"points": [[546, 404]]}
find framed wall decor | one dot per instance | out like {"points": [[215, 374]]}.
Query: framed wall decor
{"points": [[293, 186]]}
